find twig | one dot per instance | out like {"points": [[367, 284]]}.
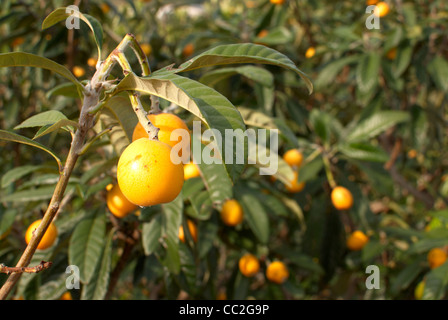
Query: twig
{"points": [[41, 266]]}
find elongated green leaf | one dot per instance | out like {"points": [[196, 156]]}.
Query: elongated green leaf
{"points": [[64, 89], [37, 194], [10, 136], [276, 36], [376, 124], [119, 115], [171, 221], [242, 53], [86, 245], [188, 268], [67, 125], [53, 289], [367, 72], [172, 257], [426, 244], [254, 213], [328, 74], [435, 283], [151, 233], [23, 59], [310, 170], [438, 69], [406, 277], [202, 206], [254, 73], [61, 14], [6, 219], [364, 152], [402, 61], [256, 118], [192, 186], [204, 102], [96, 289], [42, 119], [19, 172], [207, 233], [214, 175]]}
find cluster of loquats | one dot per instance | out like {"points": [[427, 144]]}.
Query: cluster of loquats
{"points": [[294, 158], [192, 228], [276, 271]]}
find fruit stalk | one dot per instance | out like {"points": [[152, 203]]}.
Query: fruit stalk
{"points": [[152, 130], [328, 172]]}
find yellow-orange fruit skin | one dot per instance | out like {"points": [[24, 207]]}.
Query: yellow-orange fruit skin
{"points": [[146, 175]]}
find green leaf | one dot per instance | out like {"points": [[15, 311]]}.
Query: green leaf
{"points": [[207, 234], [215, 177], [406, 277], [204, 102], [42, 193], [86, 245], [329, 73], [10, 136], [309, 171], [64, 89], [201, 205], [257, 74], [438, 69], [60, 14], [96, 288], [53, 289], [424, 245], [376, 124], [18, 172], [242, 53], [172, 258], [171, 221], [402, 61], [22, 59], [7, 218], [435, 283], [367, 72], [257, 118], [151, 233], [276, 36], [65, 124], [254, 213], [192, 186], [188, 268], [364, 152], [42, 119]]}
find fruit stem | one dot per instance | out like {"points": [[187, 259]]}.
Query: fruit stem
{"points": [[153, 131], [142, 59], [327, 166]]}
